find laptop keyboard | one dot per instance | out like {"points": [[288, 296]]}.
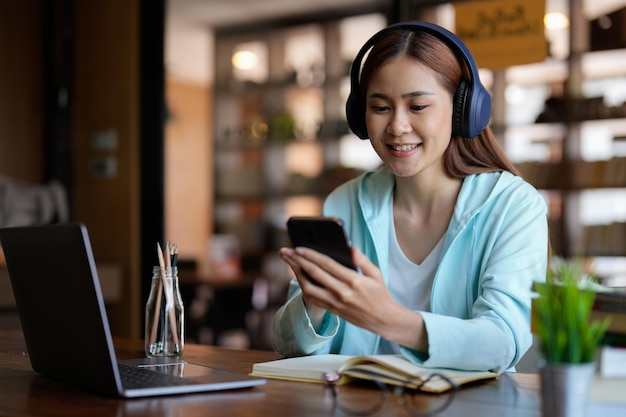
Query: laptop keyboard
{"points": [[136, 377]]}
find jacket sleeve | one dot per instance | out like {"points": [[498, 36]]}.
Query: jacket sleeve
{"points": [[293, 331]]}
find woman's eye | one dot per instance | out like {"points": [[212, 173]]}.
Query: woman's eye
{"points": [[418, 107], [380, 109]]}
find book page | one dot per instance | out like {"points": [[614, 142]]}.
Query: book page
{"points": [[397, 370], [311, 368]]}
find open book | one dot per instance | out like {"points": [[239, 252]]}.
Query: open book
{"points": [[390, 369]]}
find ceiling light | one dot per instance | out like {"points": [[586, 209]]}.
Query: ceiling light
{"points": [[555, 21], [244, 60]]}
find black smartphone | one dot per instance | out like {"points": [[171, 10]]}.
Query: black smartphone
{"points": [[324, 234]]}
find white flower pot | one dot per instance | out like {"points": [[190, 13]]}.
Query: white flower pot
{"points": [[565, 389]]}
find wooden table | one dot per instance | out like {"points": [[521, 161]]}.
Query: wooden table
{"points": [[25, 393]]}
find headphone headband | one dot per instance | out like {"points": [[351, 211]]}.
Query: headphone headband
{"points": [[472, 102]]}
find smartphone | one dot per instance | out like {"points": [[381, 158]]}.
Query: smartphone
{"points": [[324, 234]]}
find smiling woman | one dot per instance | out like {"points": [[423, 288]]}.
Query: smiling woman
{"points": [[447, 238]]}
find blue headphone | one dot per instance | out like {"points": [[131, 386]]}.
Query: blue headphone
{"points": [[472, 102]]}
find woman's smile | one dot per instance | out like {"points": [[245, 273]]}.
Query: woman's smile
{"points": [[403, 150]]}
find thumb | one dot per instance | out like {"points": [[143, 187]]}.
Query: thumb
{"points": [[363, 263]]}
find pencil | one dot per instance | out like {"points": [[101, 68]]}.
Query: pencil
{"points": [[157, 309], [163, 264], [174, 254]]}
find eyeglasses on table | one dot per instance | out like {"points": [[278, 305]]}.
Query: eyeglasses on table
{"points": [[404, 396]]}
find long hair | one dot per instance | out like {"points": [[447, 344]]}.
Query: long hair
{"points": [[463, 156]]}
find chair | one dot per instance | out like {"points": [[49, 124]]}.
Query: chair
{"points": [[24, 204]]}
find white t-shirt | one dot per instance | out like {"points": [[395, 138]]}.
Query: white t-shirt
{"points": [[410, 284]]}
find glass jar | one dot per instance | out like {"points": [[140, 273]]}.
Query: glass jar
{"points": [[165, 317]]}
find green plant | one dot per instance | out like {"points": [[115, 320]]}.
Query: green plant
{"points": [[561, 314], [282, 127]]}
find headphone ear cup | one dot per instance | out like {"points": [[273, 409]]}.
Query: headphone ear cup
{"points": [[459, 110], [355, 115], [480, 111]]}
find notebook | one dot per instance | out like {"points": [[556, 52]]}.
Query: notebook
{"points": [[57, 292]]}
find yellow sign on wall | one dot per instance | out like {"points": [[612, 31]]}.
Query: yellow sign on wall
{"points": [[501, 33]]}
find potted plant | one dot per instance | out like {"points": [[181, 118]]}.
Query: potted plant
{"points": [[568, 339]]}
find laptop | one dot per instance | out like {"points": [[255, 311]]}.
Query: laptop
{"points": [[64, 320]]}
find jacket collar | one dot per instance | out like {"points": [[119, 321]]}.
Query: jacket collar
{"points": [[476, 191]]}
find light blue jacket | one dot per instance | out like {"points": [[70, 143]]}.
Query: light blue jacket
{"points": [[496, 245]]}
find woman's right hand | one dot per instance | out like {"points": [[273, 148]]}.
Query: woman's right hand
{"points": [[316, 313]]}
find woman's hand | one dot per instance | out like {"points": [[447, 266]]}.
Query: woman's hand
{"points": [[360, 298]]}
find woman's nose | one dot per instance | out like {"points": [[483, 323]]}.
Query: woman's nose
{"points": [[398, 125]]}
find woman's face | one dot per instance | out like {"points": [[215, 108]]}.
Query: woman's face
{"points": [[409, 117]]}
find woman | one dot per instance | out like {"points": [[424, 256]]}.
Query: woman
{"points": [[446, 236]]}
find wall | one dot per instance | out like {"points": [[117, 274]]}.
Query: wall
{"points": [[106, 99], [189, 138], [21, 101], [188, 170]]}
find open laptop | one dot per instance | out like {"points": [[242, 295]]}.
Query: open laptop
{"points": [[63, 316]]}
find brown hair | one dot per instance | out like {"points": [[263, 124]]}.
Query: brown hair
{"points": [[463, 156]]}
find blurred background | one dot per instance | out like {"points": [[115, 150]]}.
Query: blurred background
{"points": [[209, 122]]}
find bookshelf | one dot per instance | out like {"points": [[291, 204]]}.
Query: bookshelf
{"points": [[573, 146], [280, 131]]}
